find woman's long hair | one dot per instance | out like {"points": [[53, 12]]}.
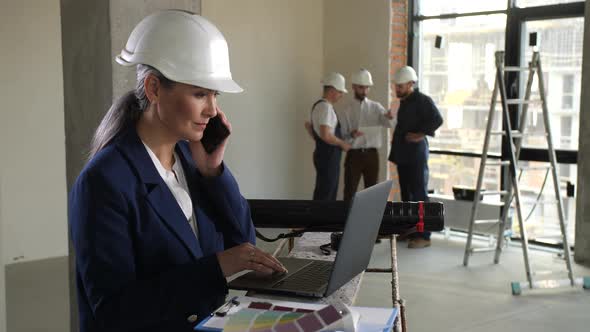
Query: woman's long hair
{"points": [[125, 111]]}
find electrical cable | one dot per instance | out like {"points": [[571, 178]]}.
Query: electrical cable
{"points": [[297, 233], [537, 200], [538, 196]]}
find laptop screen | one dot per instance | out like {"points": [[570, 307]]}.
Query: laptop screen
{"points": [[360, 232]]}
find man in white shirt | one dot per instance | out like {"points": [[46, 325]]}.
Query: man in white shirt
{"points": [[324, 128], [362, 121]]}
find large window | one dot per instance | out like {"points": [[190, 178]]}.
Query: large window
{"points": [[460, 77], [560, 46]]}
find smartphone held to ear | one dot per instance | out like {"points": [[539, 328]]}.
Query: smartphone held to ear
{"points": [[215, 133]]}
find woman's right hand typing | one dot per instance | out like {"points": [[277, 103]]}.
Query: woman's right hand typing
{"points": [[247, 257]]}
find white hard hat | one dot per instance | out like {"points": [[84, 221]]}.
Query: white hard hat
{"points": [[404, 75], [362, 77], [335, 80], [184, 47]]}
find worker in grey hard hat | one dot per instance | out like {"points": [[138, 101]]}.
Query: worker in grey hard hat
{"points": [[417, 117], [324, 128], [157, 221], [356, 115]]}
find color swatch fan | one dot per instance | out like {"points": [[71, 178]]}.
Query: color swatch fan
{"points": [[263, 317]]}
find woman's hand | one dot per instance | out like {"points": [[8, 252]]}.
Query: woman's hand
{"points": [[247, 257], [210, 164]]}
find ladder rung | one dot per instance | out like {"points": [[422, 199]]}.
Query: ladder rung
{"points": [[498, 163], [522, 101], [486, 221], [485, 249], [493, 192], [511, 68], [534, 168], [515, 133]]}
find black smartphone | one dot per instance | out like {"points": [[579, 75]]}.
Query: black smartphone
{"points": [[214, 134]]}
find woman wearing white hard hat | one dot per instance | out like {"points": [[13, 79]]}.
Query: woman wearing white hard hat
{"points": [[156, 218]]}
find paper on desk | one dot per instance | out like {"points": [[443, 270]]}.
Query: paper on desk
{"points": [[371, 319], [375, 319], [370, 134], [216, 322], [333, 317]]}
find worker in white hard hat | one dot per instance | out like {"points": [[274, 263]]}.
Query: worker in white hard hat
{"points": [[324, 128], [156, 218], [417, 117], [362, 120]]}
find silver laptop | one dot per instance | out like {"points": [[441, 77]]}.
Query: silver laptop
{"points": [[317, 278]]}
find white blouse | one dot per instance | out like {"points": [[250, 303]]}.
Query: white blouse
{"points": [[176, 182]]}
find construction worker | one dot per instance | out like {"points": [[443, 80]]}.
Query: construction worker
{"points": [[157, 222], [323, 126], [363, 158], [417, 117]]}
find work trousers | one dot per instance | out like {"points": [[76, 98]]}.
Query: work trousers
{"points": [[413, 183], [327, 165], [359, 162]]}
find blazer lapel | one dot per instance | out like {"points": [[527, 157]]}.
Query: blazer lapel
{"points": [[164, 203], [158, 194], [190, 170]]}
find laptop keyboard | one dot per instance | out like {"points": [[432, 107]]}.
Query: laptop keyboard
{"points": [[310, 278]]}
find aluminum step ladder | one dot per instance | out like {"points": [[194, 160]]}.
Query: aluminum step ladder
{"points": [[515, 138]]}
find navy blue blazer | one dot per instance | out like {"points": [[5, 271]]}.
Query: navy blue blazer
{"points": [[139, 266], [416, 114]]}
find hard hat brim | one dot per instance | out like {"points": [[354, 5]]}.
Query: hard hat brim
{"points": [[404, 81], [225, 85]]}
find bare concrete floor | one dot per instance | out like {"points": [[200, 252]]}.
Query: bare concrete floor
{"points": [[440, 294]]}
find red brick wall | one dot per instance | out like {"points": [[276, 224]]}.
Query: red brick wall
{"points": [[398, 55]]}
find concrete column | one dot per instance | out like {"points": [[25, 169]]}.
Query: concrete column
{"points": [[86, 49], [582, 250]]}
